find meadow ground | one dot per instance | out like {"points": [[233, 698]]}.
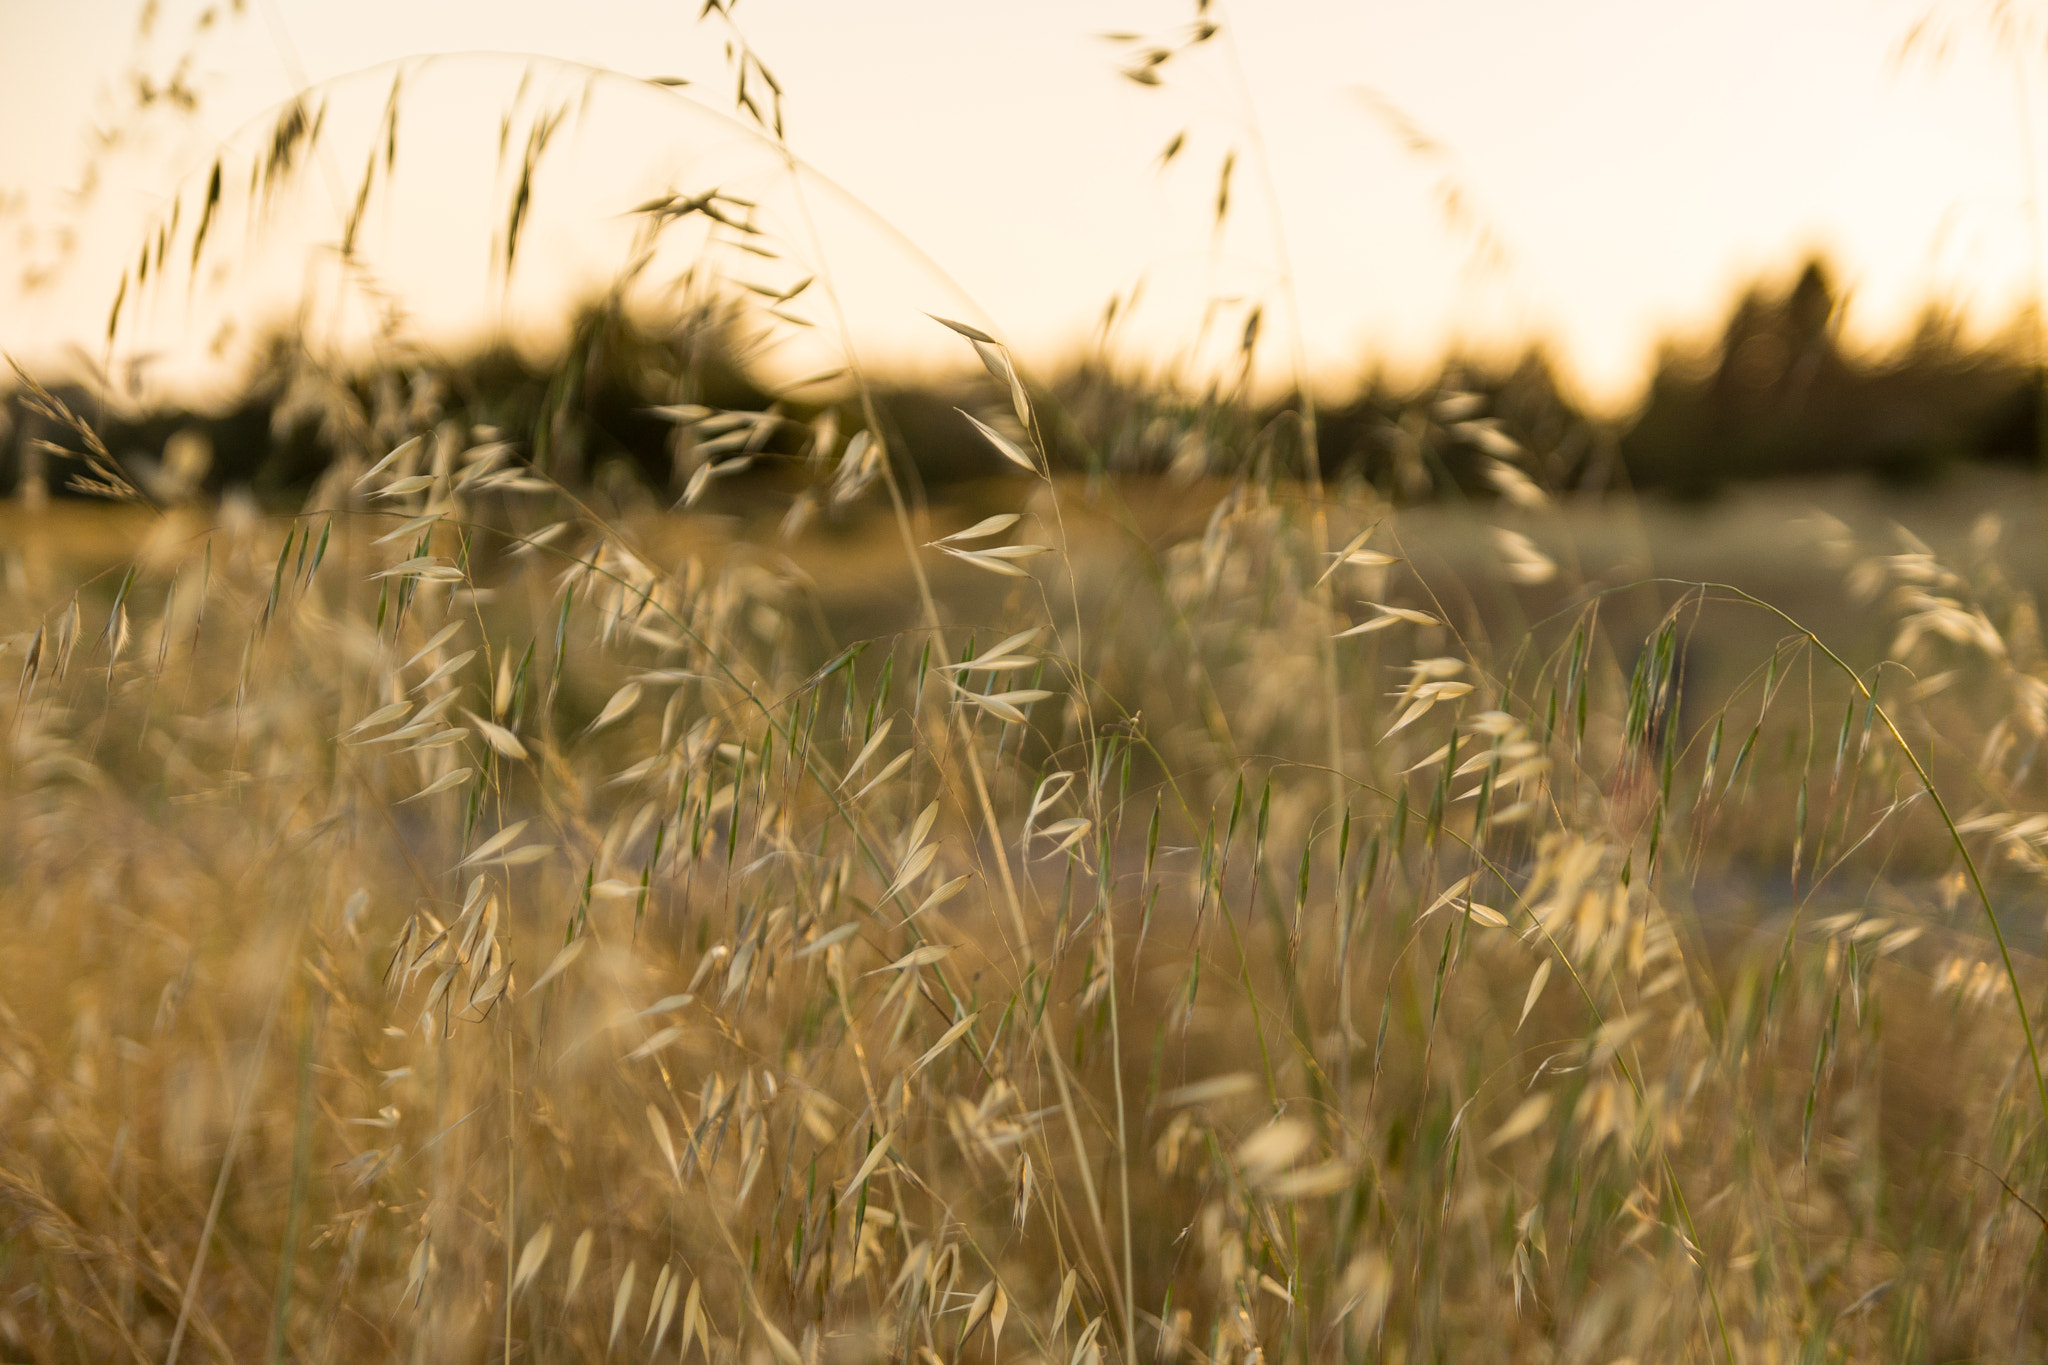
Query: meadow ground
{"points": [[1180, 922]]}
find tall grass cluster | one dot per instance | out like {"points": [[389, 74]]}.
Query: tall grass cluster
{"points": [[472, 917]]}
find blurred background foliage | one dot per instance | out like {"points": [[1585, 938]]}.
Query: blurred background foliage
{"points": [[1776, 394]]}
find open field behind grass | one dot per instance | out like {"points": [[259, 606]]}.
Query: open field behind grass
{"points": [[502, 928]]}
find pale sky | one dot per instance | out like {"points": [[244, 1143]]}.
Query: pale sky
{"points": [[1632, 160]]}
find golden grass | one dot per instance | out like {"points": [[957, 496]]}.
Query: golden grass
{"points": [[715, 987], [462, 920]]}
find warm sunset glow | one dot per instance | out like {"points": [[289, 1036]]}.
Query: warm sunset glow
{"points": [[1620, 167]]}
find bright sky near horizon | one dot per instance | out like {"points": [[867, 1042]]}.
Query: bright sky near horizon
{"points": [[1629, 164]]}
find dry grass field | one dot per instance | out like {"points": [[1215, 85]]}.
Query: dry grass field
{"points": [[477, 913], [459, 922]]}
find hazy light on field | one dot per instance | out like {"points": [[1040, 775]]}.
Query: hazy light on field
{"points": [[1619, 167]]}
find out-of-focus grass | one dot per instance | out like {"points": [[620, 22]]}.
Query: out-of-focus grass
{"points": [[468, 917], [835, 1012]]}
